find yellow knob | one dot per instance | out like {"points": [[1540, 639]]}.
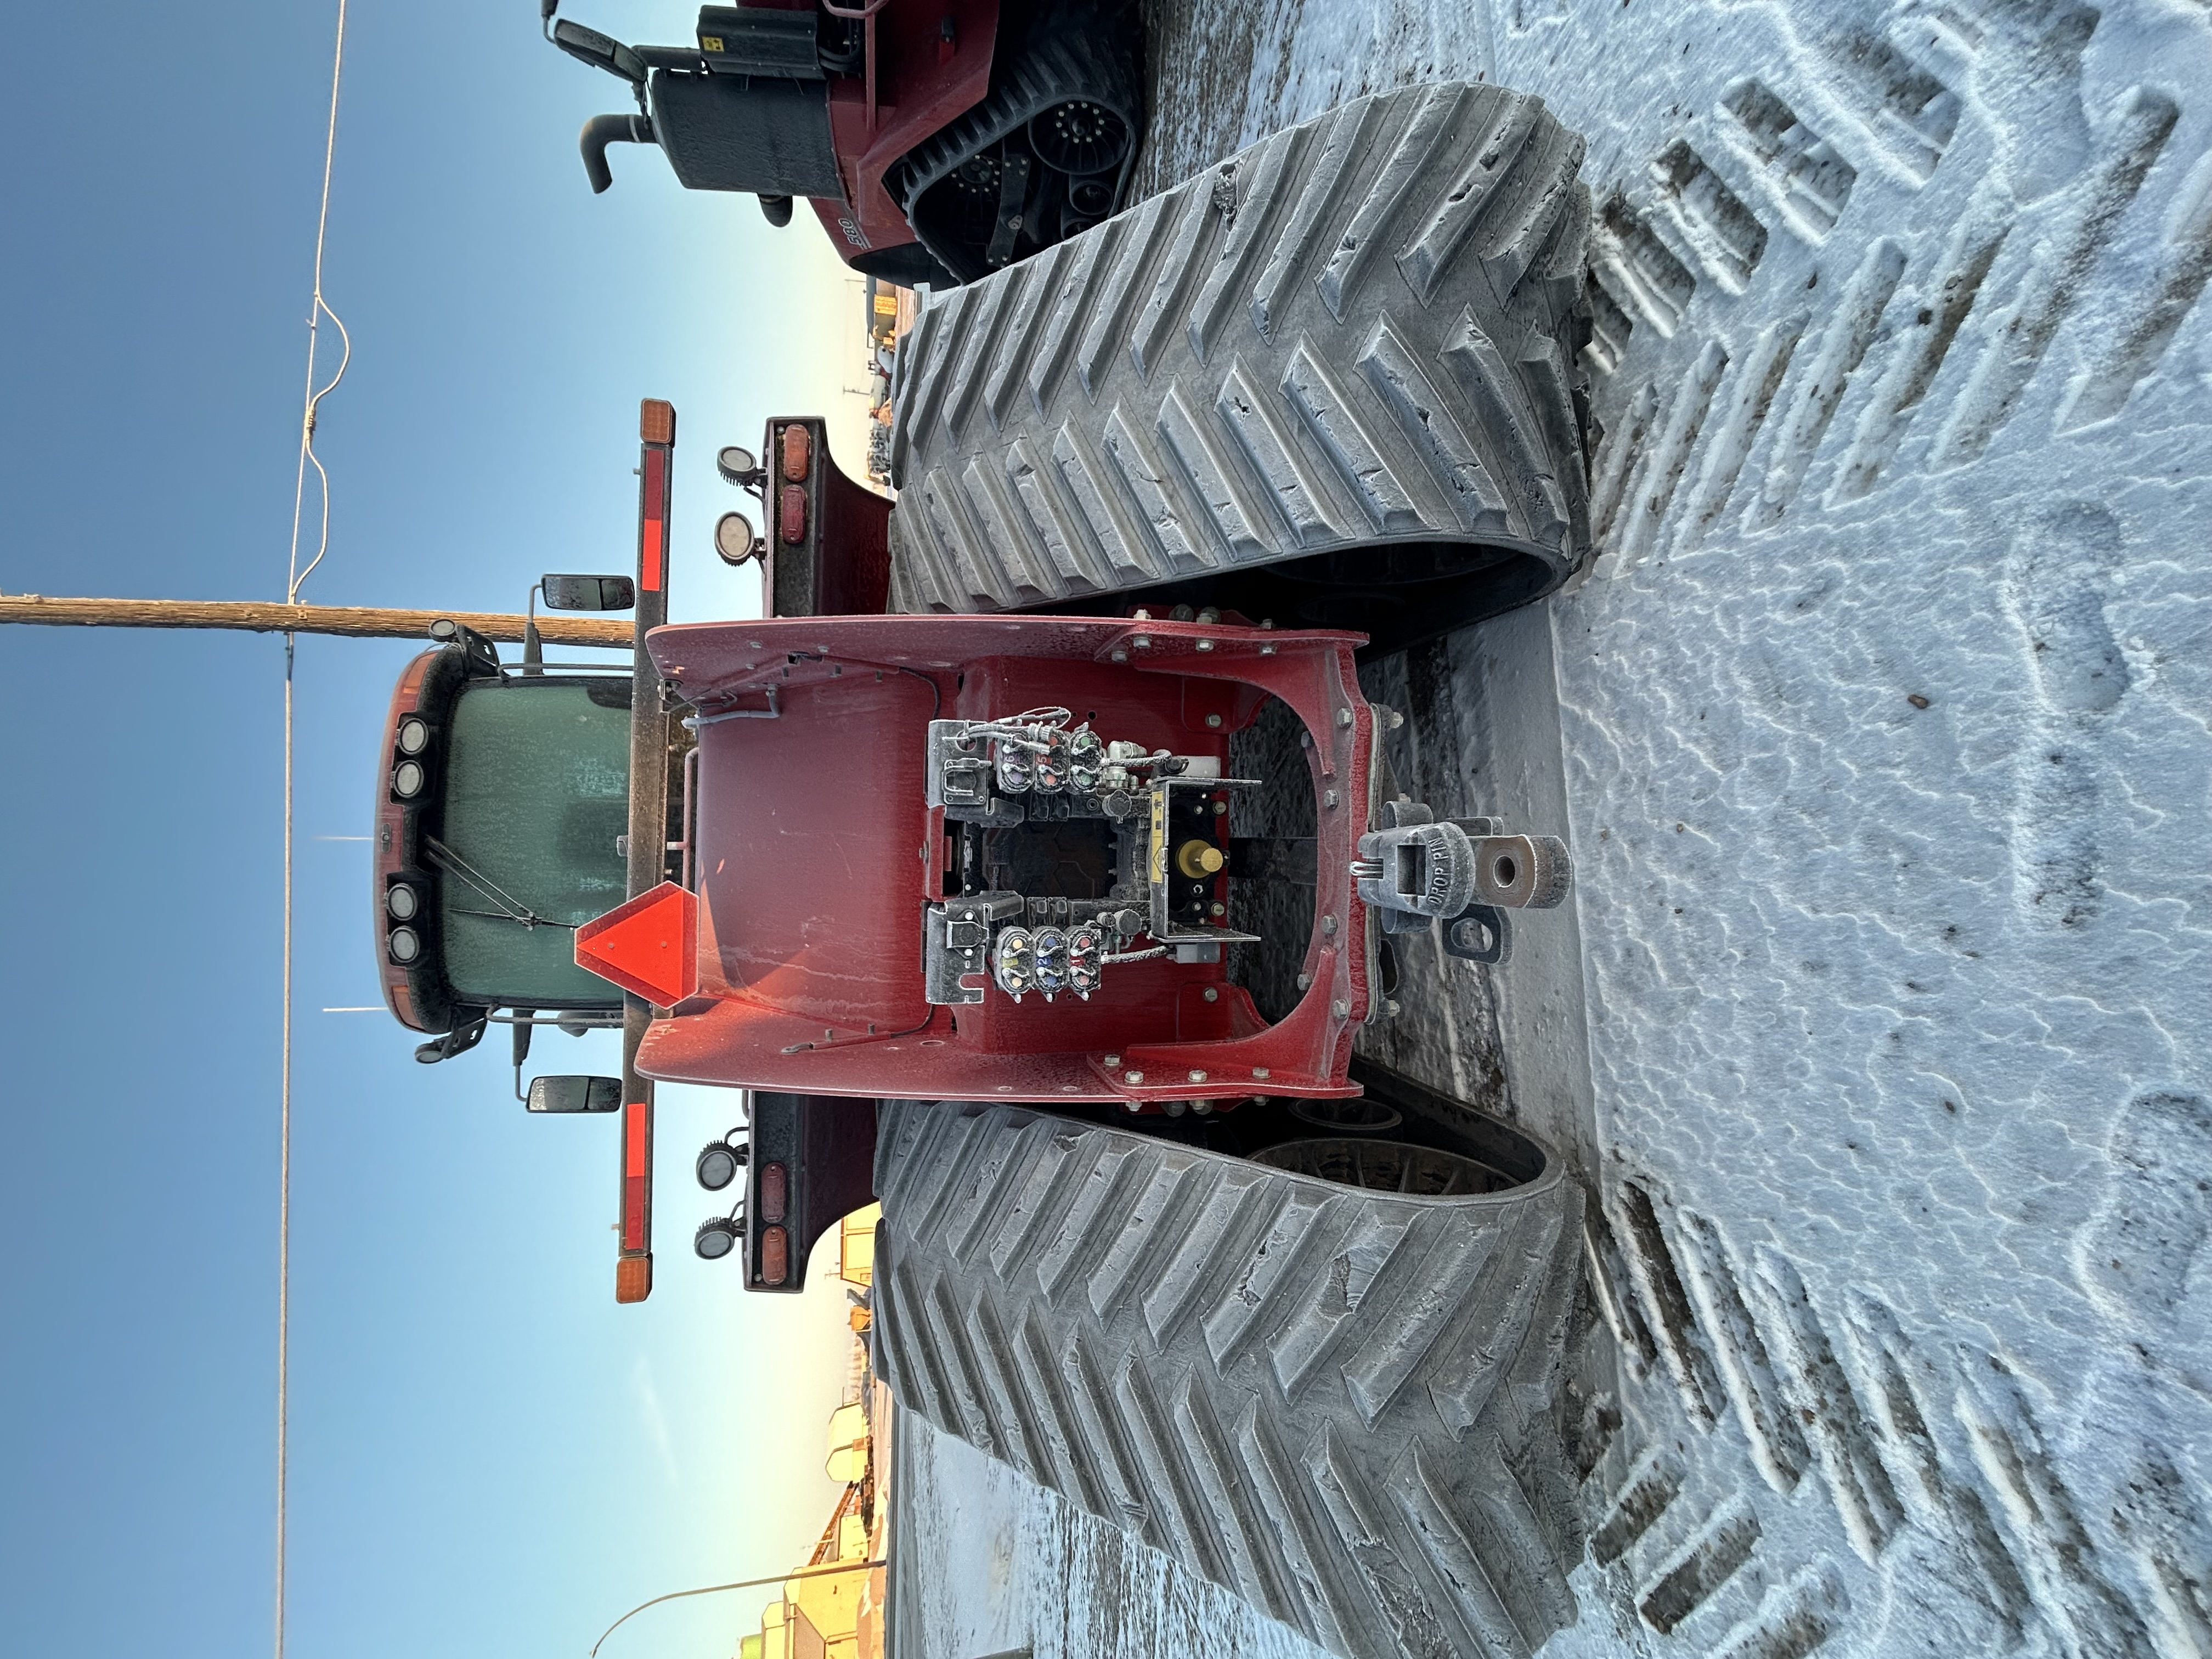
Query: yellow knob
{"points": [[1199, 858]]}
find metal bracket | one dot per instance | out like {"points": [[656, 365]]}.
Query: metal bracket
{"points": [[1478, 933]]}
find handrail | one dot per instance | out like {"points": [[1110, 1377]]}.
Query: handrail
{"points": [[866, 16]]}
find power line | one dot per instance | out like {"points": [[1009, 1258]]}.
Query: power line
{"points": [[293, 577]]}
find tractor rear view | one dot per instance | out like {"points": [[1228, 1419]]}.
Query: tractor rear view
{"points": [[935, 142], [968, 865]]}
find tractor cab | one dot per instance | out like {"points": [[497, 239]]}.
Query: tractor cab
{"points": [[503, 825]]}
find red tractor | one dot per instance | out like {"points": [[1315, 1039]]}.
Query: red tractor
{"points": [[937, 140], [1034, 863]]}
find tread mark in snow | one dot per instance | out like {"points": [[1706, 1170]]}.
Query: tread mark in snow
{"points": [[1659, 474], [1617, 458], [1791, 1619], [1665, 1305], [1947, 1506], [1907, 111], [1809, 184], [1609, 1279], [1973, 251], [2184, 264], [1702, 1566], [1777, 1446], [1844, 345], [1741, 422], [1610, 327], [2057, 1559], [1725, 234], [2137, 133], [1654, 1484], [1633, 265], [1814, 1384]]}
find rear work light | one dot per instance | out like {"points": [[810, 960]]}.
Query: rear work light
{"points": [[402, 902], [715, 1238], [414, 735], [407, 780], [403, 946]]}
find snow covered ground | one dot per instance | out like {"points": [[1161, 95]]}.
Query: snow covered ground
{"points": [[1883, 737]]}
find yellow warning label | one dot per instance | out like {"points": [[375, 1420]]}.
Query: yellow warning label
{"points": [[1158, 860], [710, 43]]}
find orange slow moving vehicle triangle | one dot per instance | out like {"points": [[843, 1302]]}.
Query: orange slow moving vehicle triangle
{"points": [[649, 946]]}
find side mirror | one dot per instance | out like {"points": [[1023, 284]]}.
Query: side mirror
{"points": [[575, 1094], [599, 51], [737, 466], [734, 539], [587, 593]]}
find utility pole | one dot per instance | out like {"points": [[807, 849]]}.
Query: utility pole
{"points": [[354, 622]]}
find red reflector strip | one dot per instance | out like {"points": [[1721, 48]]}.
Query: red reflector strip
{"points": [[798, 452], [637, 1120], [774, 1255], [653, 534], [775, 1192]]}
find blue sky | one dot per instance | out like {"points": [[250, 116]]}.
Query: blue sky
{"points": [[489, 1457]]}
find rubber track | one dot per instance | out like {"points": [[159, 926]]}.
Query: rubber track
{"points": [[1337, 1404], [1360, 331]]}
